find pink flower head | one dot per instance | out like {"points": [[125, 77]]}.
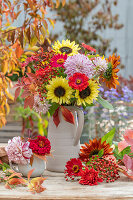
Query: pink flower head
{"points": [[58, 60], [18, 151], [79, 63], [128, 161]]}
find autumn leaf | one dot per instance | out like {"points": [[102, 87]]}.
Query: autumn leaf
{"points": [[68, 116], [29, 101], [56, 117], [17, 92]]}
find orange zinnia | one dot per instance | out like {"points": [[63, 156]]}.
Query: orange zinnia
{"points": [[110, 77], [93, 148]]}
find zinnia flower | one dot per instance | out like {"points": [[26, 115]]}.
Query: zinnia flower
{"points": [[78, 81], [89, 177], [93, 148], [73, 167], [40, 146], [88, 94], [59, 90], [58, 60], [40, 107], [109, 76], [18, 151], [79, 63], [100, 65], [66, 47]]}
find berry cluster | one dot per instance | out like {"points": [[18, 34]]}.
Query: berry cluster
{"points": [[107, 169]]}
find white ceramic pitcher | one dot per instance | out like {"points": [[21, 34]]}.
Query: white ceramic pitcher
{"points": [[65, 139]]}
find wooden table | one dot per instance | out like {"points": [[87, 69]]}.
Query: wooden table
{"points": [[59, 188]]}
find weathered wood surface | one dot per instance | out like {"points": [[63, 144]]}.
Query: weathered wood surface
{"points": [[58, 188]]}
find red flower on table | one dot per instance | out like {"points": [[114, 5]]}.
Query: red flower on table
{"points": [[90, 177], [40, 146], [89, 48], [58, 60], [73, 168], [78, 81]]}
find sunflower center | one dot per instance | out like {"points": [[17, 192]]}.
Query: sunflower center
{"points": [[75, 168], [41, 143], [85, 93], [66, 50], [59, 91], [60, 61], [78, 81], [108, 73], [94, 152]]}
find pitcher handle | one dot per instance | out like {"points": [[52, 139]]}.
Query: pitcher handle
{"points": [[80, 126], [14, 167]]}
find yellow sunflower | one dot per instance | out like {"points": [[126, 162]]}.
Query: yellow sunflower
{"points": [[59, 90], [66, 47], [87, 95]]}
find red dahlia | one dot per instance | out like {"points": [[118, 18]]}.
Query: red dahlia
{"points": [[40, 146], [73, 168], [78, 81], [58, 60], [89, 177]]}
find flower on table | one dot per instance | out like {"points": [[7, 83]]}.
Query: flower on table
{"points": [[58, 60], [18, 151], [40, 145], [66, 47], [90, 177], [78, 81], [87, 95], [93, 148], [73, 168], [79, 63], [59, 90]]}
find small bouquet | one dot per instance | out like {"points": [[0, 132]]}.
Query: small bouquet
{"points": [[67, 74], [20, 151]]}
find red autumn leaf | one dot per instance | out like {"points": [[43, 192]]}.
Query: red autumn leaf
{"points": [[25, 94], [89, 48], [17, 181], [56, 117], [29, 101], [68, 116], [31, 76], [17, 92], [29, 174]]}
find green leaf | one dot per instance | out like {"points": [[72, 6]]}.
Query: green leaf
{"points": [[104, 103], [52, 108], [120, 155], [101, 152], [109, 137]]}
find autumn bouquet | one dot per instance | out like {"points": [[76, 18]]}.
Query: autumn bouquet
{"points": [[20, 151], [67, 74]]}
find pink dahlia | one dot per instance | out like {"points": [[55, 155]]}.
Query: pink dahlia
{"points": [[79, 63], [40, 146], [40, 107], [58, 60], [78, 81], [89, 177], [18, 151], [100, 65]]}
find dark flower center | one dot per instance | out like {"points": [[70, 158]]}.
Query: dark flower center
{"points": [[108, 73], [59, 91], [85, 93], [66, 50], [78, 81], [41, 143], [94, 152], [75, 168]]}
